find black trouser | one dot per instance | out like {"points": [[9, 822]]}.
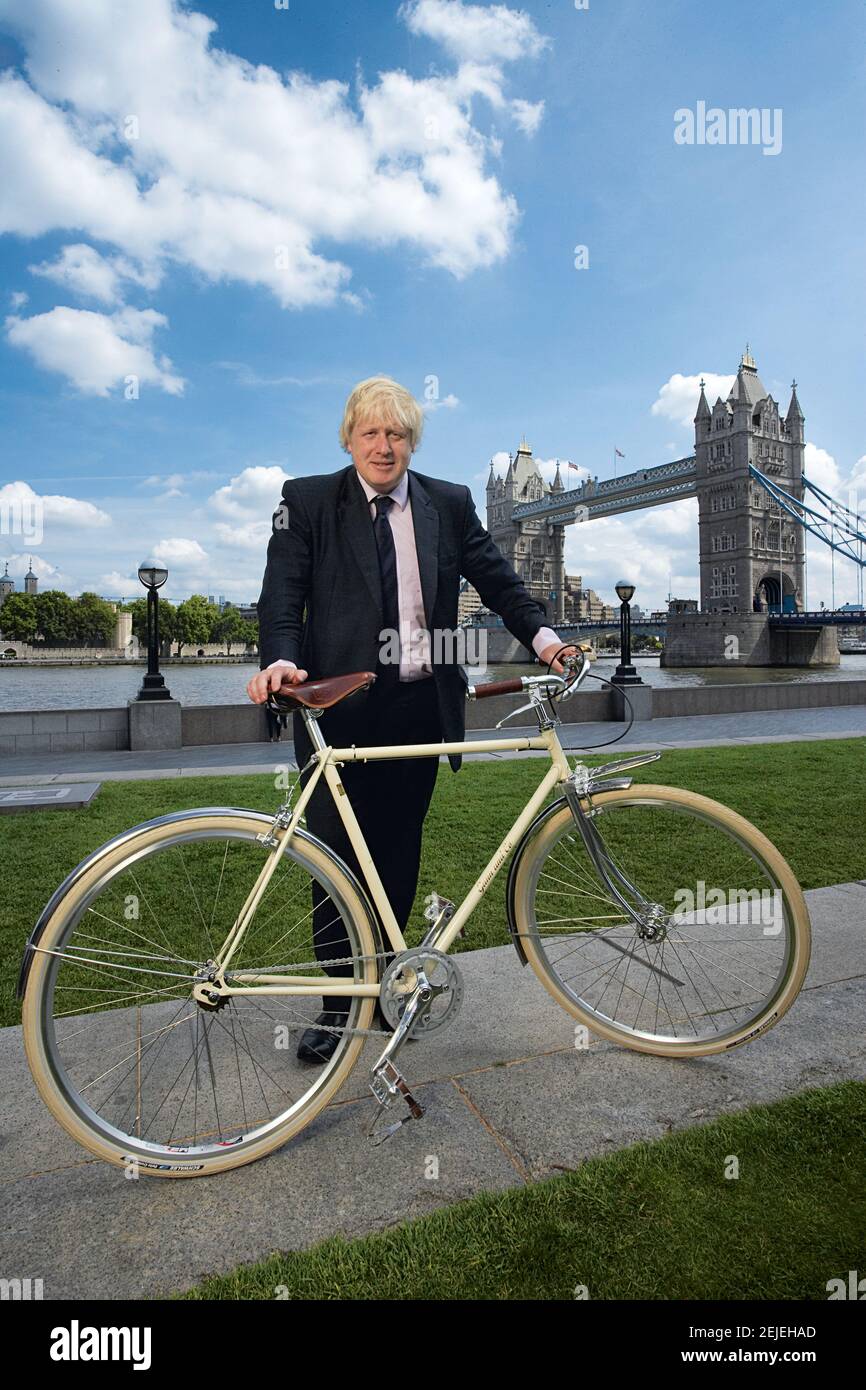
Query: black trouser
{"points": [[390, 799]]}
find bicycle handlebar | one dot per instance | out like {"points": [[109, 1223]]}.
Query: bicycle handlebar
{"points": [[558, 686], [512, 687]]}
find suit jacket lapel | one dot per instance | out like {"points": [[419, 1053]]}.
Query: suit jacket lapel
{"points": [[425, 521], [356, 526]]}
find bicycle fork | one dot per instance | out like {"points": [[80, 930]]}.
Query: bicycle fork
{"points": [[647, 916]]}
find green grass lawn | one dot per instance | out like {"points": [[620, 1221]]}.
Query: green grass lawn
{"points": [[659, 1221], [809, 798]]}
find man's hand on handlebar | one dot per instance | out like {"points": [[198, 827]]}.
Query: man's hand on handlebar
{"points": [[280, 675], [548, 653]]}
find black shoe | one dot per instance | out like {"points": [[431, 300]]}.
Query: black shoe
{"points": [[319, 1044]]}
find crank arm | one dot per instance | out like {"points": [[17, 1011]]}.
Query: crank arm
{"points": [[388, 1082]]}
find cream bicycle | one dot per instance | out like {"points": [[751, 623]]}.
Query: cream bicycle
{"points": [[168, 976]]}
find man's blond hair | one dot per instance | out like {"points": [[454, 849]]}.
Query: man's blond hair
{"points": [[386, 400]]}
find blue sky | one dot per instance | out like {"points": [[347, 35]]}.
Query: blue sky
{"points": [[426, 172]]}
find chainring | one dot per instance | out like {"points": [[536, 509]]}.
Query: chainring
{"points": [[440, 974]]}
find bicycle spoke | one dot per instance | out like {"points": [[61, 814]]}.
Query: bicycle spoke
{"points": [[136, 1052], [684, 976]]}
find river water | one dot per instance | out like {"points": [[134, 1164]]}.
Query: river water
{"points": [[87, 687]]}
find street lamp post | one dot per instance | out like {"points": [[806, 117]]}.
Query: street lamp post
{"points": [[625, 673], [153, 687]]}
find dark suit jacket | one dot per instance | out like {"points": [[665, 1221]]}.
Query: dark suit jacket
{"points": [[321, 603]]}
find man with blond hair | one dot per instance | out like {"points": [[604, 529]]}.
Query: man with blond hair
{"points": [[356, 558]]}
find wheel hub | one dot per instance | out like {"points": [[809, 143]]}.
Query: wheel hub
{"points": [[209, 999]]}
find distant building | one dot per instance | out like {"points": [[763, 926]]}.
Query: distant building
{"points": [[468, 601], [681, 605], [31, 583], [7, 586], [583, 604]]}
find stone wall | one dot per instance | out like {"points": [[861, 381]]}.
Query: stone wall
{"points": [[64, 731], [79, 731], [745, 639]]}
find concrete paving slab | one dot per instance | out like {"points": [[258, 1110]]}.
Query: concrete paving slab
{"points": [[57, 797], [509, 1097], [556, 1112], [90, 1232]]}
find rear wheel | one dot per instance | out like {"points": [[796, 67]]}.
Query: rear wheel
{"points": [[723, 944], [126, 1059]]}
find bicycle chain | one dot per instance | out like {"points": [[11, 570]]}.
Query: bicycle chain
{"points": [[331, 1027]]}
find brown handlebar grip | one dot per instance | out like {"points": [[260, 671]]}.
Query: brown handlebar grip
{"points": [[512, 687]]}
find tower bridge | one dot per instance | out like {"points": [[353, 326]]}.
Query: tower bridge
{"points": [[747, 475]]}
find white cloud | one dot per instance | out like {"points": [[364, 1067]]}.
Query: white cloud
{"points": [[678, 399], [822, 470], [479, 33], [527, 114], [129, 586], [18, 298], [246, 376], [651, 548], [244, 507], [449, 402], [83, 270], [179, 553], [24, 560], [151, 139], [96, 351], [18, 499]]}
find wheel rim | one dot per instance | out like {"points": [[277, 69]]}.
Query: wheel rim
{"points": [[145, 1068], [724, 956]]}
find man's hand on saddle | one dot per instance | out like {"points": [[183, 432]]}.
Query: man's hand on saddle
{"points": [[279, 676], [548, 653]]}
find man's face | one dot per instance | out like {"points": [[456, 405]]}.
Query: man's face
{"points": [[380, 451]]}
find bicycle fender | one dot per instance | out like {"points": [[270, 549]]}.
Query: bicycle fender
{"points": [[112, 844]]}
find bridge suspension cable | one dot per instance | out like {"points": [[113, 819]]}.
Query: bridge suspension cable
{"points": [[836, 525]]}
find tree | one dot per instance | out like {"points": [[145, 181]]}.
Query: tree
{"points": [[55, 619], [138, 609], [167, 622], [229, 627], [18, 617], [251, 633], [193, 622], [92, 620]]}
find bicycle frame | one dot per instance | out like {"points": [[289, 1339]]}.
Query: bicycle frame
{"points": [[327, 759]]}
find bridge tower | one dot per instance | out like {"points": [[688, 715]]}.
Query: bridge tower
{"points": [[535, 547], [749, 549]]}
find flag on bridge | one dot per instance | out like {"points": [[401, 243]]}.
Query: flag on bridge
{"points": [[619, 454]]}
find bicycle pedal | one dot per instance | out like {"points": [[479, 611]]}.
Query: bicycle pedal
{"points": [[438, 909], [386, 1085]]}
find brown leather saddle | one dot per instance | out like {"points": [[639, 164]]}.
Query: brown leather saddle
{"points": [[320, 694]]}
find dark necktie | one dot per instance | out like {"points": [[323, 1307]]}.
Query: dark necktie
{"points": [[388, 573]]}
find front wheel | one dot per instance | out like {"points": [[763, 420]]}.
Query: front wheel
{"points": [[125, 1057], [722, 945]]}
